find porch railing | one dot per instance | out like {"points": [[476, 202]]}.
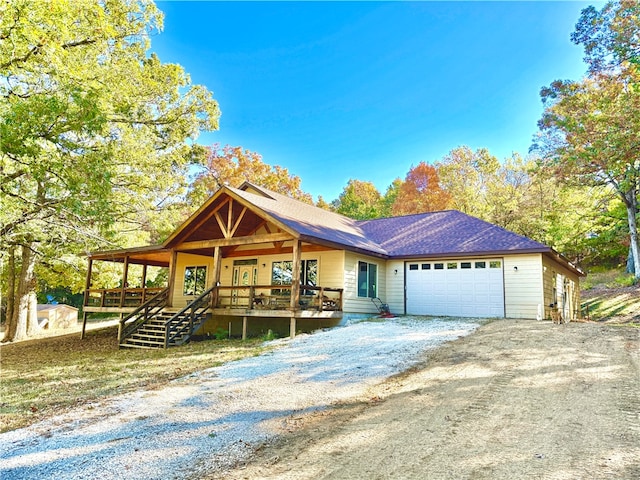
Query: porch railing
{"points": [[117, 297], [277, 297], [142, 314], [185, 322]]}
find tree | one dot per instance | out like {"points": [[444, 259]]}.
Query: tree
{"points": [[589, 130], [609, 36], [389, 198], [92, 131], [359, 200], [420, 192], [234, 165], [467, 177], [589, 135]]}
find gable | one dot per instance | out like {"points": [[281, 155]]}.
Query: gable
{"points": [[225, 216]]}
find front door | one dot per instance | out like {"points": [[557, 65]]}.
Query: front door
{"points": [[243, 276]]}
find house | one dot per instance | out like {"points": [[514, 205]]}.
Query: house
{"points": [[252, 258]]}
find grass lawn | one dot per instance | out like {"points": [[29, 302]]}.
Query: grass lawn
{"points": [[611, 296], [39, 378]]}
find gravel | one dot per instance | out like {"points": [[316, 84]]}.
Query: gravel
{"points": [[213, 419]]}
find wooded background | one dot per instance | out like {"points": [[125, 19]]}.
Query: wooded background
{"points": [[98, 150]]}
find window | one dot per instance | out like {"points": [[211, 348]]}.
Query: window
{"points": [[426, 266], [413, 266], [495, 264], [452, 265], [195, 279], [481, 264], [367, 280], [465, 265], [438, 266], [282, 272]]}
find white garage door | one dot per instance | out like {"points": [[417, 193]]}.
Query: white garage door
{"points": [[461, 288]]}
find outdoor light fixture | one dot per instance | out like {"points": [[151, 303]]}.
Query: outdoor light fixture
{"points": [[264, 265], [395, 271], [515, 269]]}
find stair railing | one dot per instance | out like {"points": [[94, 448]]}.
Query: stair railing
{"points": [[194, 312], [142, 314]]}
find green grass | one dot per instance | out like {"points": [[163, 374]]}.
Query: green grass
{"points": [[607, 279], [611, 295], [40, 378]]}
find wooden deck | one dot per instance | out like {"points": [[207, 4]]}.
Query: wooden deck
{"points": [[253, 301]]}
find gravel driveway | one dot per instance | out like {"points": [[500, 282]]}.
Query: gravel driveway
{"points": [[213, 419]]}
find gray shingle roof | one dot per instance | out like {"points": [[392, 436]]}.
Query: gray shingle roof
{"points": [[447, 232], [311, 222]]}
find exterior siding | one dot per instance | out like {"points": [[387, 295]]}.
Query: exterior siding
{"points": [[395, 291], [330, 270], [353, 303], [554, 278], [523, 293], [185, 260]]}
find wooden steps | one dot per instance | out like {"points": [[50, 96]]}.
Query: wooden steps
{"points": [[152, 333]]}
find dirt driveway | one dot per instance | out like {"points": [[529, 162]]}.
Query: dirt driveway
{"points": [[514, 400]]}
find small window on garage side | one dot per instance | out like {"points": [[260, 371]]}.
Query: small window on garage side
{"points": [[438, 266], [452, 265], [465, 265], [426, 266], [413, 266], [481, 264], [495, 264]]}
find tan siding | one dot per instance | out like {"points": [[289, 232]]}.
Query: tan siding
{"points": [[523, 287], [330, 265], [188, 260], [551, 270], [353, 303], [395, 286]]}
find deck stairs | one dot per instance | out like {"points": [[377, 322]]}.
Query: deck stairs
{"points": [[152, 326]]}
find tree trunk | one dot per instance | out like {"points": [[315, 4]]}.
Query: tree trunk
{"points": [[10, 325], [630, 264], [631, 203], [24, 310]]}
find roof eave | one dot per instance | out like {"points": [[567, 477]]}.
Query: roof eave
{"points": [[341, 246], [487, 253]]}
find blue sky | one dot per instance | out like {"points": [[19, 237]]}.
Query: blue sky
{"points": [[340, 90]]}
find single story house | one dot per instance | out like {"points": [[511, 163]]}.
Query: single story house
{"points": [[254, 256]]}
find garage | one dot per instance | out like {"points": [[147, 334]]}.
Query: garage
{"points": [[460, 288]]}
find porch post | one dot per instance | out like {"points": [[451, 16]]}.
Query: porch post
{"points": [[125, 275], [172, 276], [87, 286], [295, 285], [216, 275], [144, 282]]}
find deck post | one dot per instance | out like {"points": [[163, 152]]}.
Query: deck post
{"points": [[292, 327], [125, 275], [85, 302], [244, 328], [144, 283]]}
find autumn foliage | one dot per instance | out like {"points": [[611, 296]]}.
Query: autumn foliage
{"points": [[233, 166], [420, 192]]}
